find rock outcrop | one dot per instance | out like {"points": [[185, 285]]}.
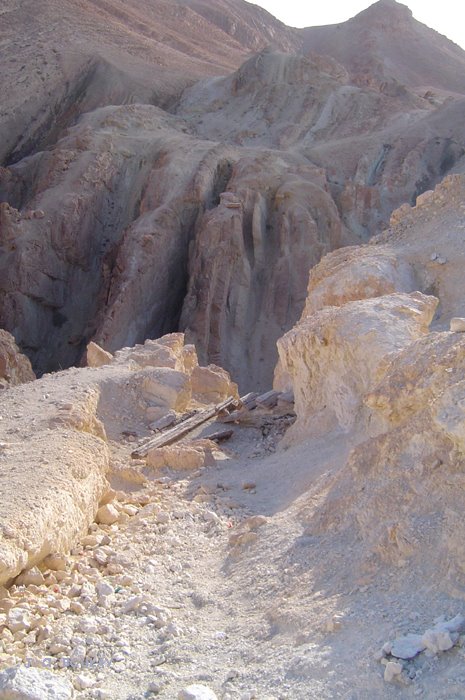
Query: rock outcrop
{"points": [[15, 367], [363, 362], [54, 451], [335, 356]]}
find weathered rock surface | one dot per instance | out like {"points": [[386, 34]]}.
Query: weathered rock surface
{"points": [[54, 453], [22, 683], [97, 356], [183, 456], [15, 367], [54, 463], [205, 217], [334, 356]]}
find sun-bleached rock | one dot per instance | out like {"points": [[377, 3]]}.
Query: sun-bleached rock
{"points": [[354, 273], [183, 456], [167, 351], [26, 683], [457, 325], [166, 387], [107, 514], [196, 691], [15, 367], [97, 356], [334, 356], [64, 458], [212, 384], [407, 647], [392, 670]]}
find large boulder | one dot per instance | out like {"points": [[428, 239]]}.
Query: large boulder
{"points": [[212, 384], [183, 456], [166, 387], [335, 356]]}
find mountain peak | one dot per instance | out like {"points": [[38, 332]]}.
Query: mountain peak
{"points": [[385, 11]]}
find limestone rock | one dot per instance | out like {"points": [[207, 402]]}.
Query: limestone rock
{"points": [[166, 387], [212, 384], [56, 562], [355, 273], [197, 692], [107, 514], [407, 647], [457, 325], [31, 576], [392, 670], [167, 351], [335, 355], [64, 458], [23, 683], [97, 356], [15, 368], [436, 640], [183, 456]]}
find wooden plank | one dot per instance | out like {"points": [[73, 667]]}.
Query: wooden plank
{"points": [[269, 399], [181, 429], [219, 436], [249, 401]]}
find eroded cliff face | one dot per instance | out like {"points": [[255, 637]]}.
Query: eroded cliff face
{"points": [[206, 211], [373, 363]]}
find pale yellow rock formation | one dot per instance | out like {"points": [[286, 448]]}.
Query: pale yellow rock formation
{"points": [[166, 387], [97, 356], [15, 368], [183, 456], [333, 357], [53, 472], [212, 384]]}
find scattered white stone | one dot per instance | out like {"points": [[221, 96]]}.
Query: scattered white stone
{"points": [[18, 619], [457, 325], [24, 683], [436, 640], [197, 692], [30, 577], [155, 688], [130, 510], [162, 517], [132, 604], [392, 670], [83, 682], [103, 588], [407, 647], [107, 514], [210, 517], [56, 562]]}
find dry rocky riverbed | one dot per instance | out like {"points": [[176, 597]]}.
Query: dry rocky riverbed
{"points": [[234, 577], [207, 581]]}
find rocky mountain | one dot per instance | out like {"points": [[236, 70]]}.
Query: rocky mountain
{"points": [[293, 201], [178, 165], [386, 44]]}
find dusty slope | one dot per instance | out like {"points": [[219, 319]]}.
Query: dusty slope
{"points": [[64, 58], [252, 576]]}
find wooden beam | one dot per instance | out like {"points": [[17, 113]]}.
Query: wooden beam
{"points": [[173, 434]]}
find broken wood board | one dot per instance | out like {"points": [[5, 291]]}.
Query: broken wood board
{"points": [[178, 431]]}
